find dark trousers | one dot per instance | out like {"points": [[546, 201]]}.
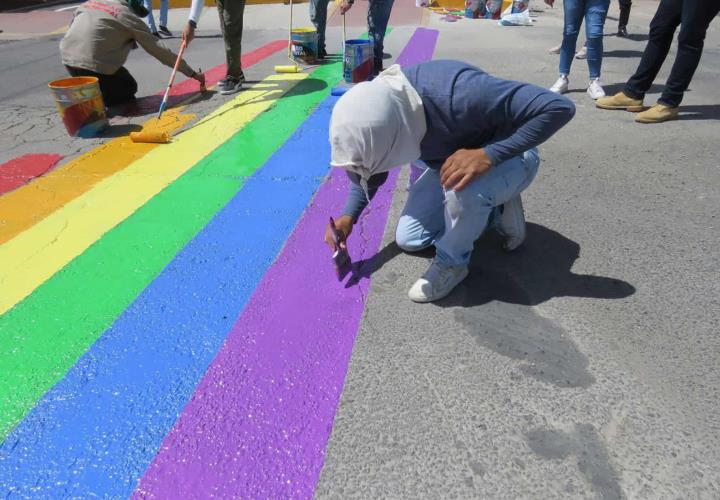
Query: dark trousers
{"points": [[231, 23], [624, 13], [117, 88], [693, 17]]}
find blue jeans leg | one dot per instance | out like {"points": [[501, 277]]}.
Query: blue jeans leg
{"points": [[150, 18], [378, 17], [574, 11], [466, 212], [422, 219], [595, 13], [164, 5]]}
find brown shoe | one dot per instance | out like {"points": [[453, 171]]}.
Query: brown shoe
{"points": [[657, 114], [620, 101]]}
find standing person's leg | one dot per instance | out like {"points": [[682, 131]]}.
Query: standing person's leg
{"points": [[466, 215], [662, 30], [573, 15], [595, 14], [150, 18], [231, 22], [625, 6], [696, 17], [318, 16], [164, 7], [378, 17]]}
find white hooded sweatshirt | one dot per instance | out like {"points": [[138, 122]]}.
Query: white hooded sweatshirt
{"points": [[377, 125]]}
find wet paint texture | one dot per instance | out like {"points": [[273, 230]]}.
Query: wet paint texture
{"points": [[19, 171], [258, 424], [45, 336], [111, 412]]}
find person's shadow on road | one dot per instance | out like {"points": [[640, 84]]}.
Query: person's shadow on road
{"points": [[535, 273]]}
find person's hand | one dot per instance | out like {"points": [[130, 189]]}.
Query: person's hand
{"points": [[344, 226], [551, 3], [462, 167], [188, 33], [345, 6]]}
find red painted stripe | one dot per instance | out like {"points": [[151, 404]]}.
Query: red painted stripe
{"points": [[185, 89], [23, 169]]}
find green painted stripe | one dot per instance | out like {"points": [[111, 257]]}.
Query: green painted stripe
{"points": [[43, 336]]}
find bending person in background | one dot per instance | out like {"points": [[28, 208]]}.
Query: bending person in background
{"points": [[694, 17], [231, 13], [99, 40], [594, 12], [476, 134], [163, 18]]}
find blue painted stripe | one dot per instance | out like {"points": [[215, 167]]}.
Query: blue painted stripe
{"points": [[97, 430]]}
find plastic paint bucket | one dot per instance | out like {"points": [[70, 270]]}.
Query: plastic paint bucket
{"points": [[80, 105], [304, 45], [358, 63]]}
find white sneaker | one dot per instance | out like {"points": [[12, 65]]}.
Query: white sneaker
{"points": [[555, 50], [512, 223], [561, 85], [582, 53], [595, 89], [437, 282]]}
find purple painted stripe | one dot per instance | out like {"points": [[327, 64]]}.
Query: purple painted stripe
{"points": [[258, 423]]}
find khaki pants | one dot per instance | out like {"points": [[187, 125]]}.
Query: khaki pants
{"points": [[231, 22]]}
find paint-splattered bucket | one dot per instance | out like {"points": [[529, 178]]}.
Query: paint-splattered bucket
{"points": [[80, 105], [358, 63], [304, 45]]}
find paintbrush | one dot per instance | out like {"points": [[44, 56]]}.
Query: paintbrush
{"points": [[341, 258]]}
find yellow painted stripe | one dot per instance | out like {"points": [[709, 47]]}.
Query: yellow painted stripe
{"points": [[22, 208], [36, 254]]}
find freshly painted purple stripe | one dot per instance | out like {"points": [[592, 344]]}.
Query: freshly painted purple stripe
{"points": [[259, 421]]}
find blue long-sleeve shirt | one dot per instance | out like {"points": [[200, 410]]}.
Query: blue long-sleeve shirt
{"points": [[466, 108]]}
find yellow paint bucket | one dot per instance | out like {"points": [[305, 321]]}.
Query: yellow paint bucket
{"points": [[304, 48], [80, 105]]}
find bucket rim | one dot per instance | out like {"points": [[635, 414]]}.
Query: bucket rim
{"points": [[303, 30], [358, 41], [73, 82]]}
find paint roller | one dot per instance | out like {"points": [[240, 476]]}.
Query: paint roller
{"points": [[339, 90], [287, 68], [156, 136]]}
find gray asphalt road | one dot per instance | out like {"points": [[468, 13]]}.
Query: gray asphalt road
{"points": [[585, 365]]}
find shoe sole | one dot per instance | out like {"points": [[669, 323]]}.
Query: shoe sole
{"points": [[231, 91], [643, 120], [632, 109]]}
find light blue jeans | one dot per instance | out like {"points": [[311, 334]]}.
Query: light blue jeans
{"points": [[452, 221], [163, 14], [594, 12]]}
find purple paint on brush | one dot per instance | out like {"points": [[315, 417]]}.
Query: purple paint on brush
{"points": [[258, 423]]}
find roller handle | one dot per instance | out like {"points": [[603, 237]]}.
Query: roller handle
{"points": [[163, 104]]}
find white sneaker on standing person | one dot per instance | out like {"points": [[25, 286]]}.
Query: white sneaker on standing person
{"points": [[595, 12]]}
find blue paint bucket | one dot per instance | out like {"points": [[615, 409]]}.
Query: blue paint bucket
{"points": [[304, 45], [358, 63]]}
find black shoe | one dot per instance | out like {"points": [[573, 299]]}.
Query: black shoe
{"points": [[322, 54], [156, 34], [165, 31], [231, 84], [622, 32]]}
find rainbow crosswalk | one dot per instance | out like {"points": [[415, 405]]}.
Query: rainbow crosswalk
{"points": [[198, 346]]}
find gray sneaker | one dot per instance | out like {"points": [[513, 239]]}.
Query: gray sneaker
{"points": [[512, 223], [231, 84], [437, 282]]}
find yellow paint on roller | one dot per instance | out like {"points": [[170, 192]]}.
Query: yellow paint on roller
{"points": [[36, 254], [150, 135], [22, 208]]}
